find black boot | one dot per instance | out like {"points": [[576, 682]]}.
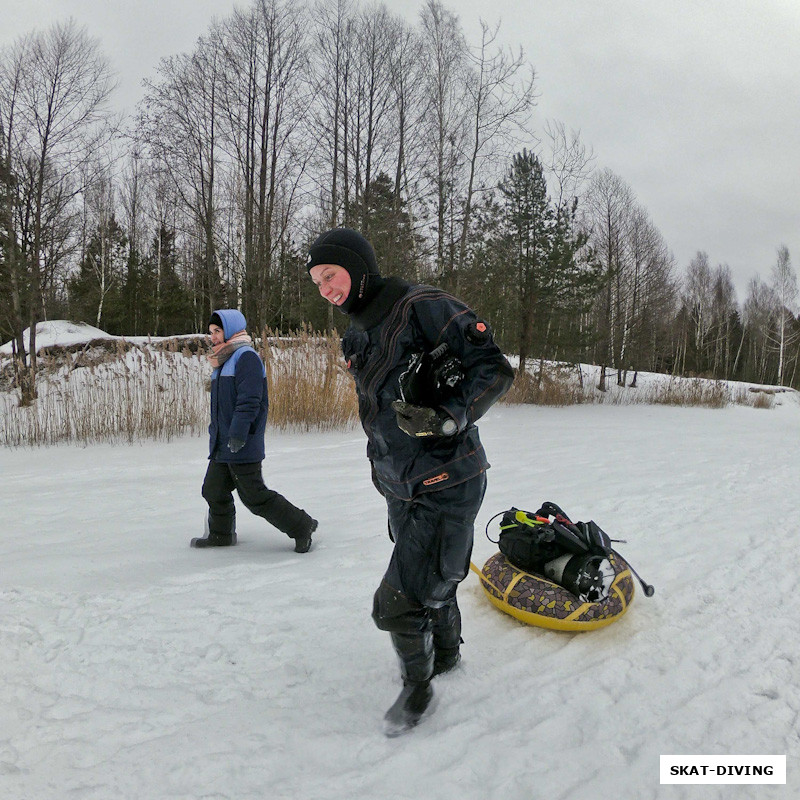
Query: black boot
{"points": [[445, 660], [214, 540], [446, 637], [302, 542], [408, 709], [415, 652]]}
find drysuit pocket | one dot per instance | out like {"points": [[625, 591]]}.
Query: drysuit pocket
{"points": [[452, 565]]}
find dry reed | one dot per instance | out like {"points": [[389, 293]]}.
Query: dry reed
{"points": [[553, 387], [309, 386], [117, 392], [110, 390], [563, 384]]}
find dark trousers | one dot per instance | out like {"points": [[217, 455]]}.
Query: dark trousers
{"points": [[220, 481], [433, 541], [420, 635], [416, 601]]}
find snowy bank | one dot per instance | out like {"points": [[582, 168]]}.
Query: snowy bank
{"points": [[135, 667]]}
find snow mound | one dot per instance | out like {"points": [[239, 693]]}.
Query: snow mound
{"points": [[59, 332]]}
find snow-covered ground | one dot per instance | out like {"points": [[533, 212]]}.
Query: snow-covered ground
{"points": [[135, 667]]}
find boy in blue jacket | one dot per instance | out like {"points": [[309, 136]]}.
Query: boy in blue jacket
{"points": [[236, 440]]}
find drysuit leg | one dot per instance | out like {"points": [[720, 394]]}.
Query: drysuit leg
{"points": [[410, 627], [446, 631]]}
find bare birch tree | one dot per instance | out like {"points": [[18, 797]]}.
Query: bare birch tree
{"points": [[759, 319], [263, 102], [568, 163], [178, 124], [108, 255], [500, 93], [724, 314], [784, 285], [330, 75], [610, 205], [646, 293], [407, 88], [54, 87], [444, 54]]}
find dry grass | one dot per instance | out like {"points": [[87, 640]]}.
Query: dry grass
{"points": [[561, 385], [760, 398], [693, 392], [555, 388], [702, 392], [309, 386], [111, 390]]}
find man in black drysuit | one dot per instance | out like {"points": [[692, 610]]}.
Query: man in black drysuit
{"points": [[428, 462]]}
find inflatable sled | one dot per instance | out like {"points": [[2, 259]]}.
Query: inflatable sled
{"points": [[535, 600]]}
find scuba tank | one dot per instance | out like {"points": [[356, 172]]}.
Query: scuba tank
{"points": [[588, 577]]}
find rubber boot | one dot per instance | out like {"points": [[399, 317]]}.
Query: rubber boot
{"points": [[446, 637], [445, 660], [215, 539], [415, 653], [302, 542]]}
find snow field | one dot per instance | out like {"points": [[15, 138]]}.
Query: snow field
{"points": [[136, 667]]}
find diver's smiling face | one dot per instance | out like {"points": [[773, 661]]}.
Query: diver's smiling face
{"points": [[332, 281]]}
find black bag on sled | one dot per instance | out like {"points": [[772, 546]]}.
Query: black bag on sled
{"points": [[572, 554]]}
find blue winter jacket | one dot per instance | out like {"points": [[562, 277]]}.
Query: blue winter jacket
{"points": [[238, 399]]}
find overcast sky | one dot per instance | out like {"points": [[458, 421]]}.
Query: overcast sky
{"points": [[694, 104]]}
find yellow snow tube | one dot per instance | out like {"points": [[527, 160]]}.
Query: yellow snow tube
{"points": [[537, 601]]}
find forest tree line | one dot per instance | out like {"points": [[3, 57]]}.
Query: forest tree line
{"points": [[287, 119]]}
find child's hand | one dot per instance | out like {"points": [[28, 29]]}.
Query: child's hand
{"points": [[235, 445]]}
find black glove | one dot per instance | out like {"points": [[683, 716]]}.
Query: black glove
{"points": [[422, 421], [235, 445]]}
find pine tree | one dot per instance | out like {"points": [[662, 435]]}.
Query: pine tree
{"points": [[550, 266], [95, 292], [172, 303], [530, 224], [488, 281], [390, 230], [574, 278]]}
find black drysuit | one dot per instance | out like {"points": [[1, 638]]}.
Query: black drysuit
{"points": [[433, 486]]}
